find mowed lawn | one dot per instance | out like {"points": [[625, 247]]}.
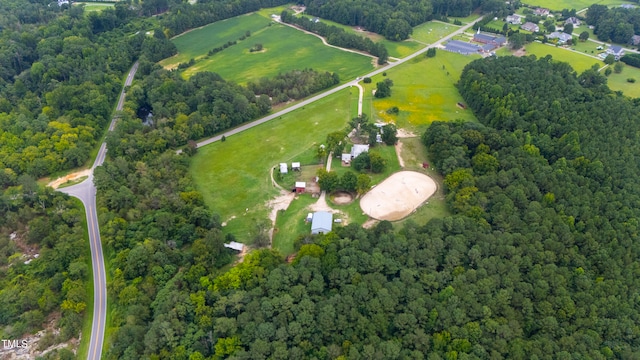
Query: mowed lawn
{"points": [[423, 91], [571, 4], [432, 31], [234, 175], [577, 60], [618, 82], [197, 43], [285, 49], [92, 6]]}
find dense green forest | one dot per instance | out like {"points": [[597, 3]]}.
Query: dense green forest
{"points": [[60, 74], [616, 24], [43, 262], [161, 239]]}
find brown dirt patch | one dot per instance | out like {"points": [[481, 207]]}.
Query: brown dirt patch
{"points": [[59, 181], [520, 52], [398, 196], [342, 198]]}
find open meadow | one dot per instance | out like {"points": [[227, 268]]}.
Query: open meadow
{"points": [[571, 4], [578, 61], [197, 42], [94, 6], [432, 31], [234, 175], [618, 82], [284, 49], [424, 91]]}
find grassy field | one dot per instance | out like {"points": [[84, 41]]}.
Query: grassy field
{"points": [[579, 61], [94, 6], [571, 4], [618, 82], [299, 50], [468, 19], [432, 31], [291, 223], [196, 43], [234, 175], [423, 90]]}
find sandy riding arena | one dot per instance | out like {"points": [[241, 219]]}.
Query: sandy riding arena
{"points": [[398, 195]]}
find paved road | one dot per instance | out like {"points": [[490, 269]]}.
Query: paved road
{"points": [[331, 91], [86, 192]]}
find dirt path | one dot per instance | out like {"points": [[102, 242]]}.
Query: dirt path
{"points": [[59, 181], [399, 154]]}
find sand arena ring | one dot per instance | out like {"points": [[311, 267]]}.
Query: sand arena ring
{"points": [[398, 195]]}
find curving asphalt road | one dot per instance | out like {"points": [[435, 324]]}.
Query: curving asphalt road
{"points": [[86, 192], [331, 91]]}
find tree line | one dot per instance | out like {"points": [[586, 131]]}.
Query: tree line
{"points": [[293, 85], [337, 36], [616, 24]]}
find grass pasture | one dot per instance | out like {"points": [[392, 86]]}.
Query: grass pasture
{"points": [[424, 91], [577, 60], [432, 31], [197, 43], [94, 6], [285, 49], [571, 4], [234, 175], [618, 82]]}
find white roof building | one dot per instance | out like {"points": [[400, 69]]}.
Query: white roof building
{"points": [[295, 166], [283, 168], [322, 222], [358, 149], [234, 246]]}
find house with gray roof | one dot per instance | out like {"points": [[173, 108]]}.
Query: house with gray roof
{"points": [[321, 222], [573, 21], [529, 26], [616, 51], [562, 37]]}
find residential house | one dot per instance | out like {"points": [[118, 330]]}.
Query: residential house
{"points": [[627, 6], [562, 37], [321, 222], [573, 21], [514, 19], [541, 12], [616, 51], [529, 26]]}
